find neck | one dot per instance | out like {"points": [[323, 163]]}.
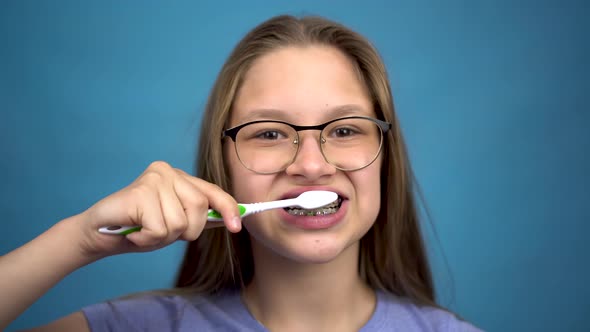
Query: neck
{"points": [[287, 295]]}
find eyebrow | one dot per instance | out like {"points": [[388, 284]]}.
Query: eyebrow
{"points": [[276, 114]]}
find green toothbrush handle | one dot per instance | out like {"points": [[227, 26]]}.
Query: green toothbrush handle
{"points": [[212, 215]]}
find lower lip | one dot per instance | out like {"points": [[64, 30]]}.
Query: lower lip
{"points": [[316, 222]]}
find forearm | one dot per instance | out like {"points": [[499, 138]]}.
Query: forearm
{"points": [[31, 270]]}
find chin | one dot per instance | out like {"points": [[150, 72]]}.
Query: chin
{"points": [[314, 256], [309, 249]]}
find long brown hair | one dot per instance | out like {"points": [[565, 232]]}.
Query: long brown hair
{"points": [[392, 254]]}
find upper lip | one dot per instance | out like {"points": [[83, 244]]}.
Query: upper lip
{"points": [[298, 191]]}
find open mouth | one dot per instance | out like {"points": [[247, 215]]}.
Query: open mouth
{"points": [[321, 211]]}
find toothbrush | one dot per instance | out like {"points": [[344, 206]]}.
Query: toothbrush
{"points": [[307, 200]]}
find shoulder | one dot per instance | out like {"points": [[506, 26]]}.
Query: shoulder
{"points": [[153, 312], [401, 314]]}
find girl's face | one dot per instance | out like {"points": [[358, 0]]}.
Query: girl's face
{"points": [[304, 86]]}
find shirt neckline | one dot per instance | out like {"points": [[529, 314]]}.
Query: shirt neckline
{"points": [[373, 324]]}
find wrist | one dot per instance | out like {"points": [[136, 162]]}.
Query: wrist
{"points": [[74, 242]]}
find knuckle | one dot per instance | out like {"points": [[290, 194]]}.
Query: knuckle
{"points": [[212, 187], [157, 234], [159, 165], [177, 225], [157, 172], [189, 235], [198, 201], [152, 176]]}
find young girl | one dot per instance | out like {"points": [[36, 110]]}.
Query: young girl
{"points": [[301, 104]]}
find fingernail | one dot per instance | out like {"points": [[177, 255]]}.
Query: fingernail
{"points": [[236, 223]]}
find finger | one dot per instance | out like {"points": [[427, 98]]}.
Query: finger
{"points": [[175, 218], [194, 204], [148, 214], [220, 201]]}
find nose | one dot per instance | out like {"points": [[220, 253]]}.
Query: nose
{"points": [[309, 161]]}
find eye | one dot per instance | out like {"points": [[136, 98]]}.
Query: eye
{"points": [[270, 135], [343, 132]]}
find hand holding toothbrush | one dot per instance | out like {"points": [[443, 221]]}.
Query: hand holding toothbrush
{"points": [[168, 204]]}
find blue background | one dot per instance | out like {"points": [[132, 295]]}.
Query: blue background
{"points": [[492, 96]]}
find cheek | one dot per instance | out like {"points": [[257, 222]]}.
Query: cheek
{"points": [[368, 184]]}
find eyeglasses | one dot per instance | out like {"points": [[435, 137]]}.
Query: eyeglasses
{"points": [[269, 146]]}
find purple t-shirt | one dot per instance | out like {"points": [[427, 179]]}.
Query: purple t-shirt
{"points": [[228, 313]]}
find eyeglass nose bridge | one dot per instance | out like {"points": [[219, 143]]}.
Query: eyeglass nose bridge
{"points": [[321, 140], [319, 127]]}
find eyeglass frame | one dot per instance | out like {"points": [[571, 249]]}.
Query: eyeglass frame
{"points": [[232, 133]]}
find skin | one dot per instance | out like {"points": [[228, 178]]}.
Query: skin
{"points": [[305, 86], [168, 203]]}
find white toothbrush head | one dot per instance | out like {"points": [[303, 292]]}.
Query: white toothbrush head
{"points": [[315, 199]]}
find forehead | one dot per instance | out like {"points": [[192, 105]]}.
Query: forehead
{"points": [[301, 84]]}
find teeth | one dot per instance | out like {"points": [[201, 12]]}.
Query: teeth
{"points": [[328, 209], [314, 212]]}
